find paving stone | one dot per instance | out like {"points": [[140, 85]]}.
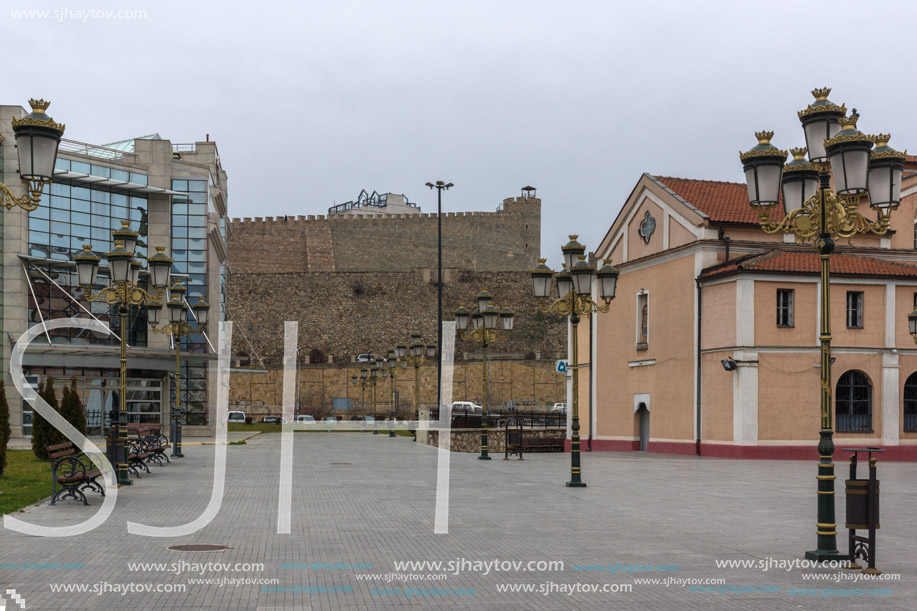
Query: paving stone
{"points": [[637, 510]]}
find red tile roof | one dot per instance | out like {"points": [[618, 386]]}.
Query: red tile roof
{"points": [[794, 262], [723, 202]]}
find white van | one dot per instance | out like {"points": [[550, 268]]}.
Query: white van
{"points": [[236, 417]]}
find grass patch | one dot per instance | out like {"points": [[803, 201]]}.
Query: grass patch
{"points": [[255, 427], [26, 480], [241, 442], [400, 433]]}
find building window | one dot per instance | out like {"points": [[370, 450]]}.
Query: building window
{"points": [[785, 299], [854, 309], [910, 404], [643, 321], [854, 403]]}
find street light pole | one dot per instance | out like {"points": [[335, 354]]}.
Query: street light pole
{"points": [[484, 329], [179, 329], [440, 186], [813, 211], [574, 289], [124, 292]]}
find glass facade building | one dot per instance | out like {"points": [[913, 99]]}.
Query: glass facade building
{"points": [[172, 195]]}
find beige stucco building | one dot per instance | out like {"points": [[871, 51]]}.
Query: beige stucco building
{"points": [[711, 344]]}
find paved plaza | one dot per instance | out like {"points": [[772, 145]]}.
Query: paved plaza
{"points": [[361, 503]]}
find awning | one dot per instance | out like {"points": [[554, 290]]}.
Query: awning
{"points": [[111, 182]]}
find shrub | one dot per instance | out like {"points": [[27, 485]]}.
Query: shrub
{"points": [[72, 408], [248, 420], [43, 434], [4, 427]]}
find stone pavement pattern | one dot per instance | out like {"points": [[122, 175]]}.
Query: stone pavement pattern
{"points": [[360, 498]]}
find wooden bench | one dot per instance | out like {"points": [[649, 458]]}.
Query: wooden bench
{"points": [[152, 439], [543, 444], [73, 472]]}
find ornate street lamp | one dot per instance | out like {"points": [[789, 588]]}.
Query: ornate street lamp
{"points": [[836, 148], [912, 324], [37, 139], [373, 377], [392, 362], [179, 329], [484, 329], [123, 292], [574, 289], [414, 354]]}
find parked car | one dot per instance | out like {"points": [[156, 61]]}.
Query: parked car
{"points": [[236, 417], [559, 408], [305, 418], [329, 419], [366, 357], [271, 420], [461, 407], [362, 419]]}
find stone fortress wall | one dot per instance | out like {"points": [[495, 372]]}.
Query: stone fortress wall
{"points": [[361, 284]]}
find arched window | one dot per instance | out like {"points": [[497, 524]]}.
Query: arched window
{"points": [[853, 402], [910, 403]]}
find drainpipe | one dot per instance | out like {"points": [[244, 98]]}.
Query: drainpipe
{"points": [[697, 423]]}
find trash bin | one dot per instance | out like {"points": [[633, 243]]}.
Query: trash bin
{"points": [[862, 512]]}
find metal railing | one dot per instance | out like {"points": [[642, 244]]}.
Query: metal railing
{"points": [[529, 419], [854, 423], [910, 422], [94, 150]]}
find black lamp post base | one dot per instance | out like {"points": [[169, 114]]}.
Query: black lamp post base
{"points": [[483, 457], [391, 433], [573, 484], [824, 555], [125, 482]]}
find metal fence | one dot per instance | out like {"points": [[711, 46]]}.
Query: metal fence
{"points": [[529, 419], [910, 422], [854, 423]]}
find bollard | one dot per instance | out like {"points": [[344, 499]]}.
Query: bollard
{"points": [[862, 513], [176, 446]]}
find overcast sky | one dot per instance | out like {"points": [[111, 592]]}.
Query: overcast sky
{"points": [[310, 102]]}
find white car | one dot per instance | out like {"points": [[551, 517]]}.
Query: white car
{"points": [[461, 407], [305, 418], [236, 417], [559, 408]]}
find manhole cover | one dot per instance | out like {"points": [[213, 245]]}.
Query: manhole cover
{"points": [[198, 547]]}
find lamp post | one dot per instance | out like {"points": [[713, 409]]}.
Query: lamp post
{"points": [[814, 211], [37, 139], [362, 382], [414, 355], [179, 329], [574, 289], [124, 292], [373, 378], [392, 362], [440, 186], [484, 329]]}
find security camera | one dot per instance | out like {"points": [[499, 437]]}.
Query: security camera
{"points": [[729, 364]]}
